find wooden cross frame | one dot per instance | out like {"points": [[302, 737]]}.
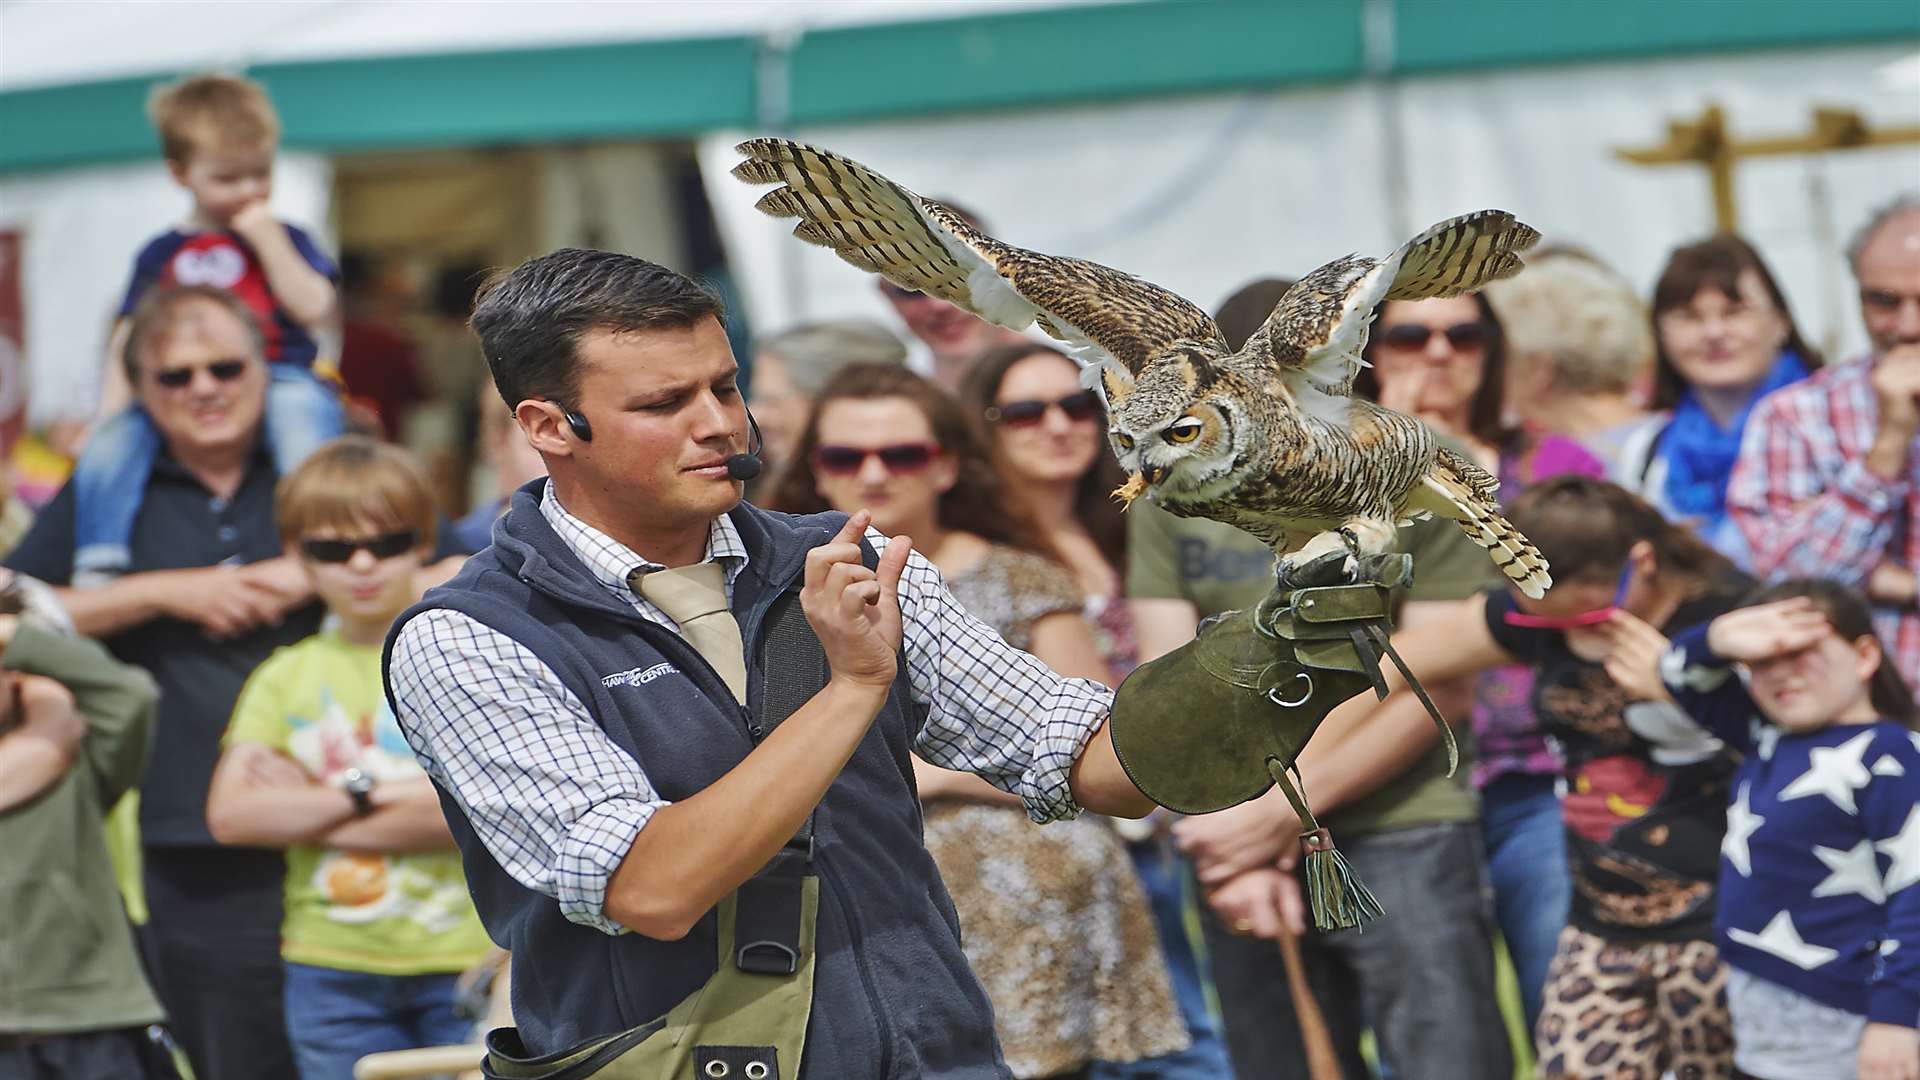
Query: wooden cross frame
{"points": [[1705, 141]]}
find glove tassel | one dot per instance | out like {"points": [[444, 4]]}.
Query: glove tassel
{"points": [[1339, 900]]}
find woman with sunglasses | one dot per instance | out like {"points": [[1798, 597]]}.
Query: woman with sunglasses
{"points": [[1445, 361], [1053, 922], [1636, 981], [1047, 432], [1723, 340]]}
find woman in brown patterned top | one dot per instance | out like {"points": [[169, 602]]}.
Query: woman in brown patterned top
{"points": [[1053, 921]]}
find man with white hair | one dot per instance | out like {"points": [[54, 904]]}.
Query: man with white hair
{"points": [[1825, 486]]}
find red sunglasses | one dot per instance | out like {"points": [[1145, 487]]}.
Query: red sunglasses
{"points": [[899, 458], [1080, 406], [1584, 618]]}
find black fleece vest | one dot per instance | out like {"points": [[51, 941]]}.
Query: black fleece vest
{"points": [[893, 996]]}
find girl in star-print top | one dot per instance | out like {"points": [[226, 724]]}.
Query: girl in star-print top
{"points": [[1819, 919]]}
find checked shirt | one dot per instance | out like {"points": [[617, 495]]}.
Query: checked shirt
{"points": [[558, 803]]}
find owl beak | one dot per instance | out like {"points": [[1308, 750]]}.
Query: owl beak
{"points": [[1153, 473]]}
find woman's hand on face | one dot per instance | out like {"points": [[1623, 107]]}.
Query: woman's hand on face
{"points": [[1889, 1052], [1633, 656], [1765, 631]]}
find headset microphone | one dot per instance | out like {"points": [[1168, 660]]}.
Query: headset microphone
{"points": [[747, 466]]}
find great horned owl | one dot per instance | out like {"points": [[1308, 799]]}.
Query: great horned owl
{"points": [[1266, 438]]}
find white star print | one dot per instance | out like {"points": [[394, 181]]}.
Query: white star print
{"points": [[1699, 678], [1836, 771], [1852, 871], [1903, 848], [1764, 743], [1742, 822], [1782, 939], [1888, 765]]}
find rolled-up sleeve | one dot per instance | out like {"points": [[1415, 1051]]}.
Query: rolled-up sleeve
{"points": [[992, 710], [554, 800]]}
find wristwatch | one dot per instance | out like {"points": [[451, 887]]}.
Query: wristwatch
{"points": [[358, 785]]}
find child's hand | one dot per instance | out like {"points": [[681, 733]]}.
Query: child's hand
{"points": [[1633, 660], [253, 220], [1889, 1052], [1765, 631]]}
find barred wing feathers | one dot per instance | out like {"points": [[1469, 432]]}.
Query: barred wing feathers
{"points": [[1467, 494], [1100, 314], [1314, 336]]}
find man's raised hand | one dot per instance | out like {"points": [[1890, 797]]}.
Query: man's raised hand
{"points": [[853, 610]]}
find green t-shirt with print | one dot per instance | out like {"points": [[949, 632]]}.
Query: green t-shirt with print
{"points": [[320, 702], [1217, 567]]}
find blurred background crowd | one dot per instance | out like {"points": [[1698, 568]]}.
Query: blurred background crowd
{"points": [[244, 424]]}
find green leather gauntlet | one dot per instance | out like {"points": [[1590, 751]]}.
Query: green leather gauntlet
{"points": [[1221, 719]]}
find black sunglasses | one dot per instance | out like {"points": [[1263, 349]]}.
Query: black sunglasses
{"points": [[339, 551], [1462, 336], [223, 370], [899, 458], [1079, 406]]}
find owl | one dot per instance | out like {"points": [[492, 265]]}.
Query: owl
{"points": [[1267, 438]]}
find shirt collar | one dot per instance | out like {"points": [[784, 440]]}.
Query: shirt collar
{"points": [[611, 562]]}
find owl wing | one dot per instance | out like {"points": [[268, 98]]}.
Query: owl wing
{"points": [[1314, 337], [1101, 315]]}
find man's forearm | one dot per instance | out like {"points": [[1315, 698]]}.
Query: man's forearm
{"points": [[30, 763], [1100, 784], [693, 852], [118, 605], [276, 817], [412, 821]]}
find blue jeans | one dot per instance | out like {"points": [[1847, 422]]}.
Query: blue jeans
{"points": [[335, 1018], [111, 475], [1164, 874], [1527, 859]]}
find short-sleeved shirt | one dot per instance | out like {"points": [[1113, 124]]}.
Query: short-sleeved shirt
{"points": [[181, 525], [222, 259], [1217, 568], [1643, 837], [320, 702]]}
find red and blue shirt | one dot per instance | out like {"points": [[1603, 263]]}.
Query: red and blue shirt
{"points": [[225, 261]]}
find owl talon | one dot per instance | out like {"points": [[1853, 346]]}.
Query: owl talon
{"points": [[1329, 568]]}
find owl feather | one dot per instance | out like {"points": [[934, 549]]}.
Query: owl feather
{"points": [[1268, 437]]}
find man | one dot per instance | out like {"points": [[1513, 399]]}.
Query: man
{"points": [[1421, 977], [954, 336], [209, 595], [616, 765], [1825, 485]]}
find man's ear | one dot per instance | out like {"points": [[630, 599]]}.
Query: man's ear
{"points": [[545, 426]]}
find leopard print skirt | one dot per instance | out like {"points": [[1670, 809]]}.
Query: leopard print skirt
{"points": [[1634, 1011]]}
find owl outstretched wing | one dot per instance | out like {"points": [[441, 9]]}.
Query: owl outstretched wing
{"points": [[1101, 315], [1314, 336]]}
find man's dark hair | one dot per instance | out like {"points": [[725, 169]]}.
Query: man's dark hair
{"points": [[155, 315], [530, 319]]}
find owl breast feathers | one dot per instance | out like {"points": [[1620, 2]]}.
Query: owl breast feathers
{"points": [[1266, 437]]}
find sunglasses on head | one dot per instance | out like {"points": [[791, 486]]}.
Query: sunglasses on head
{"points": [[1079, 406], [1584, 618], [899, 458], [339, 551], [899, 292], [1462, 336], [221, 370]]}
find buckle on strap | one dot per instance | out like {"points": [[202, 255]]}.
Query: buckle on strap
{"points": [[766, 925]]}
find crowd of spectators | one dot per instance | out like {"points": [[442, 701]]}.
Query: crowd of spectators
{"points": [[241, 531]]}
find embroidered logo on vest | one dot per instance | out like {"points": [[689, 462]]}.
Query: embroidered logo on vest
{"points": [[638, 676]]}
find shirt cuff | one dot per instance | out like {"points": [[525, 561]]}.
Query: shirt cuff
{"points": [[1890, 1004], [1047, 788], [589, 854], [1870, 491]]}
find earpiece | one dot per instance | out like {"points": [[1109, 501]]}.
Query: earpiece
{"points": [[581, 429]]}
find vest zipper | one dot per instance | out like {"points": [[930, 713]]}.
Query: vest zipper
{"points": [[853, 930]]}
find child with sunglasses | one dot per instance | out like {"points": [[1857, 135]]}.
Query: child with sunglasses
{"points": [[1819, 918], [378, 920], [1636, 980]]}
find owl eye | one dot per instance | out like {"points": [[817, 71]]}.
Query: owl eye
{"points": [[1184, 430], [1125, 440]]}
